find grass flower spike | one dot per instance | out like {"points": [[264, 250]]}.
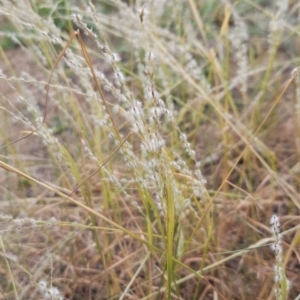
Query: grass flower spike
{"points": [[282, 283]]}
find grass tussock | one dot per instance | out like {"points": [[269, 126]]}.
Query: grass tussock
{"points": [[145, 147]]}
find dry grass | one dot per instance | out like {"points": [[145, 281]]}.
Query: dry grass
{"points": [[157, 169]]}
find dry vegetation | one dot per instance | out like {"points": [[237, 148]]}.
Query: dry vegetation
{"points": [[149, 164]]}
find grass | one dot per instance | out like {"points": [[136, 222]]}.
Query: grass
{"points": [[145, 149]]}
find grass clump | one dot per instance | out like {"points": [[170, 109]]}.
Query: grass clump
{"points": [[146, 146]]}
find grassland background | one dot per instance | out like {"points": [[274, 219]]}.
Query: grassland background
{"points": [[160, 182]]}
